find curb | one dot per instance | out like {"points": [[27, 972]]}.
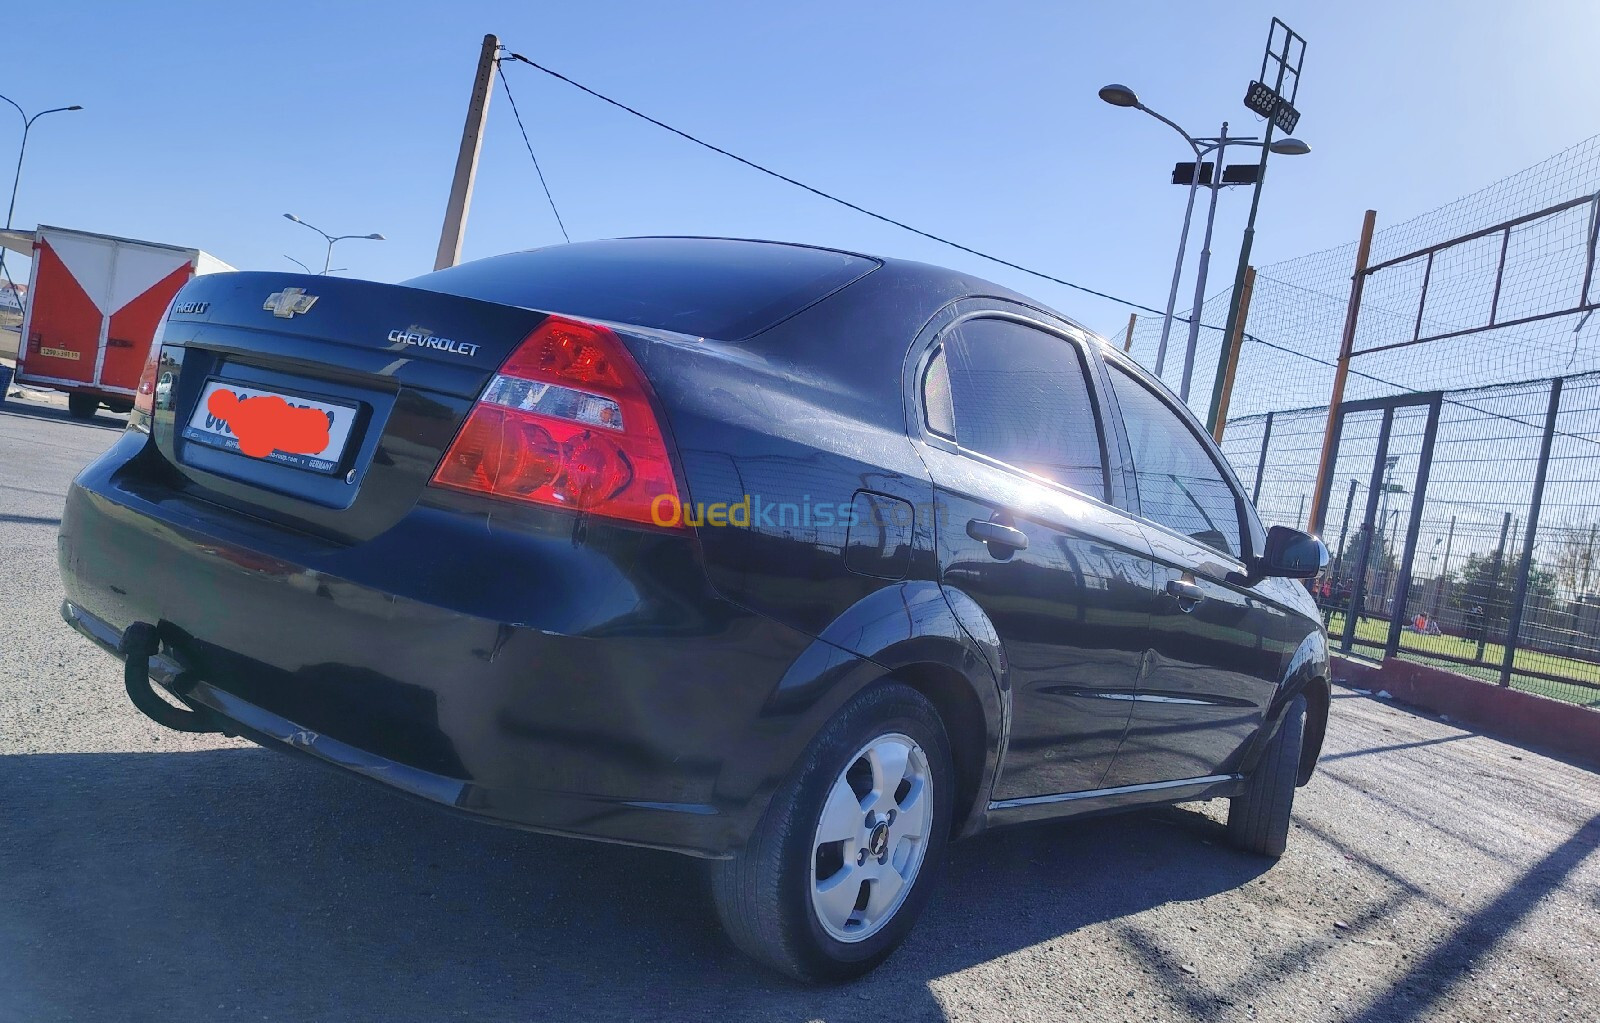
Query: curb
{"points": [[1566, 730]]}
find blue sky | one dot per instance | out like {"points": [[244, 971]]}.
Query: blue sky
{"points": [[204, 122]]}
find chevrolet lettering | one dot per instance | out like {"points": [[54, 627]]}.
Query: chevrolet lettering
{"points": [[423, 339]]}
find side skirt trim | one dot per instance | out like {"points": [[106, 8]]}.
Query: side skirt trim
{"points": [[1113, 800], [1123, 790]]}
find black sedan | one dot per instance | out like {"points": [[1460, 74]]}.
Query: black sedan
{"points": [[798, 560]]}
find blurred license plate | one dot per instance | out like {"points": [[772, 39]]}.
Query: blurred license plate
{"points": [[205, 428]]}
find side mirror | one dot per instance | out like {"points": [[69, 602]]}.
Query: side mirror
{"points": [[1291, 554]]}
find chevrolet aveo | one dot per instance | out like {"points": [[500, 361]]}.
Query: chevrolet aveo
{"points": [[801, 561]]}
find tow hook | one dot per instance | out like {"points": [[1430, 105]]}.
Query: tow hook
{"points": [[140, 642]]}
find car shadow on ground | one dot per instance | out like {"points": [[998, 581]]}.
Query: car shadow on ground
{"points": [[204, 884], [102, 419]]}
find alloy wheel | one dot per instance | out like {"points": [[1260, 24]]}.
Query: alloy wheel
{"points": [[871, 838]]}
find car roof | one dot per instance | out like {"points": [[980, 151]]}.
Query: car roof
{"points": [[932, 271], [731, 289]]}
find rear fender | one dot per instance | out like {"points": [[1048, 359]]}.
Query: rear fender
{"points": [[907, 631]]}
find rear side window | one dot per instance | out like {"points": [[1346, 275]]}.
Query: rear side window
{"points": [[1021, 396], [936, 396], [1180, 485], [709, 287]]}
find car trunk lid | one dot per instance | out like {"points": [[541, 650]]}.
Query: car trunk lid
{"points": [[393, 370]]}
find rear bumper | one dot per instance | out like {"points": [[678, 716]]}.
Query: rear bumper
{"points": [[653, 825], [627, 704], [268, 728]]}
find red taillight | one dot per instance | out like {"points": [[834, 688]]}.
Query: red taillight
{"points": [[567, 422], [144, 400]]}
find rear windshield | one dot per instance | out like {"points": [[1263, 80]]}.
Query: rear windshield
{"points": [[709, 287]]}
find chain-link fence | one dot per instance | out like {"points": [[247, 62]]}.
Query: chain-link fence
{"points": [[1297, 309], [1447, 512], [1495, 571]]}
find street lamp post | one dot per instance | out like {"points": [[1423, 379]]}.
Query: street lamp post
{"points": [[1123, 96], [22, 150], [327, 262], [1198, 306], [1385, 550], [1276, 104]]}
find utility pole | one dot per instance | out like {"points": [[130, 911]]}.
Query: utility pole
{"points": [[455, 214], [1347, 342], [1230, 357]]}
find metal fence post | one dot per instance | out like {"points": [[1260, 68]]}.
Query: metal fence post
{"points": [[1525, 569], [1358, 590], [1419, 497], [1261, 464]]}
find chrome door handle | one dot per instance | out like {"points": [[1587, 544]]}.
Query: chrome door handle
{"points": [[1188, 594], [997, 534]]}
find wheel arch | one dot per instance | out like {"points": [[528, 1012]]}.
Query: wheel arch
{"points": [[905, 632], [1307, 675], [939, 642], [959, 708], [1319, 700]]}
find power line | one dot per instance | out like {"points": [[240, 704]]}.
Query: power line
{"points": [[1401, 389], [918, 231], [845, 202], [525, 141]]}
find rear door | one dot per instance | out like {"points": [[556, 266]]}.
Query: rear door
{"points": [[96, 302], [1217, 649], [1011, 425], [144, 279], [65, 317]]}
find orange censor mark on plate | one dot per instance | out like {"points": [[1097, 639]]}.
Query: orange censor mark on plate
{"points": [[267, 423]]}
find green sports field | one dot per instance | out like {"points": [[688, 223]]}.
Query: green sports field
{"points": [[1416, 647]]}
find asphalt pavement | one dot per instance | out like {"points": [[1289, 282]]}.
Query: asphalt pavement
{"points": [[1433, 873]]}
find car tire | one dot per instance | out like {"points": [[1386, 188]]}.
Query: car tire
{"points": [[786, 898], [82, 406], [1258, 818]]}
